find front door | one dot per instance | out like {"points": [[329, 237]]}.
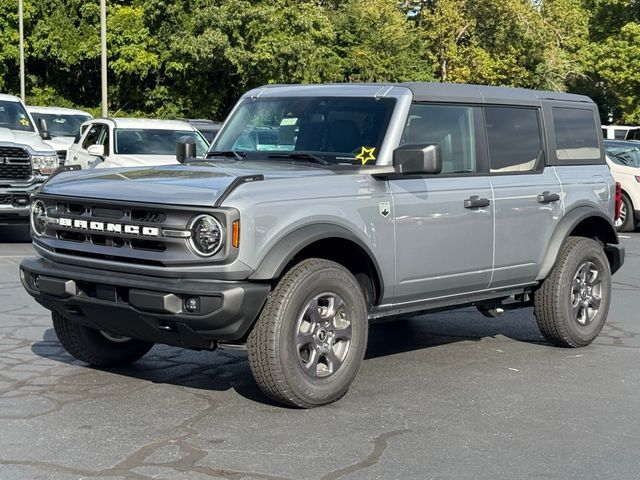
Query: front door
{"points": [[444, 223], [96, 134]]}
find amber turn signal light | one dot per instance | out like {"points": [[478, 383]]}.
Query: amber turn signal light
{"points": [[235, 234]]}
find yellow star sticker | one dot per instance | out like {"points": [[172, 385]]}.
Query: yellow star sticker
{"points": [[366, 154], [24, 122]]}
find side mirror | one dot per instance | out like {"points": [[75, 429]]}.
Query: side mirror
{"points": [[185, 149], [43, 129], [96, 150], [416, 159]]}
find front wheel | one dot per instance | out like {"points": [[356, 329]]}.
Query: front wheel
{"points": [[572, 304], [625, 221], [308, 344], [97, 348]]}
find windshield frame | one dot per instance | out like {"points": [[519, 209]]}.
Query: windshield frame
{"points": [[185, 132], [336, 159], [30, 128]]}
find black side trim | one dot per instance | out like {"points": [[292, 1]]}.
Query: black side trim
{"points": [[567, 225]]}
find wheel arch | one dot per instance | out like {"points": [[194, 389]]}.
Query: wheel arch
{"points": [[582, 221], [328, 241]]}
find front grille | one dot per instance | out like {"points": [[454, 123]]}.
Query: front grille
{"points": [[14, 163], [16, 171], [14, 152], [15, 200], [142, 234], [118, 246]]}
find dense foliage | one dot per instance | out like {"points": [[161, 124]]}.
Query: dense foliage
{"points": [[193, 58]]}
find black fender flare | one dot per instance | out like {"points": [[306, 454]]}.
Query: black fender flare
{"points": [[274, 263], [607, 234]]}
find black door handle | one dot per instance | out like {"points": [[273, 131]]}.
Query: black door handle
{"points": [[548, 197], [476, 202]]}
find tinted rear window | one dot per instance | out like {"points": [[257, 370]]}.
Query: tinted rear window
{"points": [[514, 139], [576, 134]]}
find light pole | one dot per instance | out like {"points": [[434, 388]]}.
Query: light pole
{"points": [[21, 44], [103, 44]]}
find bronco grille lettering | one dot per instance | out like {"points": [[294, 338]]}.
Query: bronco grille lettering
{"points": [[108, 227]]}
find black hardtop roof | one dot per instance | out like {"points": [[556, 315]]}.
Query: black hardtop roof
{"points": [[427, 91], [423, 91]]}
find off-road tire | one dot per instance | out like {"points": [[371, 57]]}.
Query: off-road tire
{"points": [[629, 221], [273, 355], [552, 301], [93, 347]]}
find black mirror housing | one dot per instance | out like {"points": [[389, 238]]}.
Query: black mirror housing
{"points": [[185, 149], [43, 129], [418, 159]]}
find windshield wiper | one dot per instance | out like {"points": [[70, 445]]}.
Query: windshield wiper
{"points": [[300, 156], [239, 156]]}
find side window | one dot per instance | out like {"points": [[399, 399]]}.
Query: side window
{"points": [[450, 126], [619, 134], [92, 137], [514, 139], [103, 138], [576, 134]]}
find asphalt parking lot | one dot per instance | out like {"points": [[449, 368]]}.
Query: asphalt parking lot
{"points": [[447, 396]]}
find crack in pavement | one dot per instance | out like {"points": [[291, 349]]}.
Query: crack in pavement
{"points": [[380, 444]]}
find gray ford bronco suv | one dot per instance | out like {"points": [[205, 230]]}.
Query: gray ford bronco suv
{"points": [[320, 208]]}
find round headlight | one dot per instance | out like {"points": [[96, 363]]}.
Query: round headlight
{"points": [[207, 235], [39, 217]]}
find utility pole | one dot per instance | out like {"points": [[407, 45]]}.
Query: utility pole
{"points": [[21, 44], [103, 44]]}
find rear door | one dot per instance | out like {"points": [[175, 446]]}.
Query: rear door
{"points": [[527, 193]]}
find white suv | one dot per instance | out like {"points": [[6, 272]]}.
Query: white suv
{"points": [[131, 142], [623, 158], [63, 126]]}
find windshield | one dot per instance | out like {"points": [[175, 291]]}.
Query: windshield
{"points": [[334, 130], [628, 155], [64, 125], [14, 117], [138, 141]]}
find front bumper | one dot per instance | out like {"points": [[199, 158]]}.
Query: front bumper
{"points": [[146, 307], [15, 201]]}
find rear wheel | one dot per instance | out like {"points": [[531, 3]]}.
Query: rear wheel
{"points": [[572, 304], [101, 349], [307, 346]]}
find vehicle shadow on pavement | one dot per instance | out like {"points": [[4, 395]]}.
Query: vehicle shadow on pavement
{"points": [[444, 328], [223, 370], [14, 234]]}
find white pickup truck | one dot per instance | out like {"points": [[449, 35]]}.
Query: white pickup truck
{"points": [[25, 160]]}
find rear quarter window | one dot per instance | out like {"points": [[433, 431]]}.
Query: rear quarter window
{"points": [[576, 135]]}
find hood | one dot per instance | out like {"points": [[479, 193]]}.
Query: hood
{"points": [[32, 140], [60, 143], [196, 184]]}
